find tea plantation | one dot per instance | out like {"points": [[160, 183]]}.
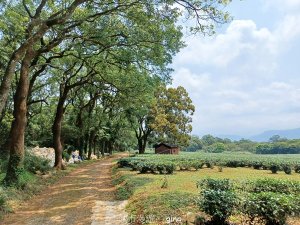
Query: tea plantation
{"points": [[203, 188]]}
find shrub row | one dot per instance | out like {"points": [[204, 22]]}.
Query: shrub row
{"points": [[268, 201], [159, 163]]}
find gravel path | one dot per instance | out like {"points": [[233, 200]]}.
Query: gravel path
{"points": [[85, 196]]}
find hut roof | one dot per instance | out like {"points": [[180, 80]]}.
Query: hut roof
{"points": [[165, 144]]}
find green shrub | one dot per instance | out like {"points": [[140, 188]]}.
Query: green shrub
{"points": [[297, 168], [143, 167], [287, 169], [271, 208], [275, 185], [25, 180], [217, 199], [123, 163], [66, 156], [33, 163], [4, 207], [257, 165], [209, 164], [123, 192], [3, 166], [197, 165], [2, 201], [215, 184], [274, 168], [233, 163], [170, 168], [220, 168]]}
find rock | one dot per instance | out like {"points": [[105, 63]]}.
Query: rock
{"points": [[46, 176], [46, 153], [38, 172], [93, 156]]}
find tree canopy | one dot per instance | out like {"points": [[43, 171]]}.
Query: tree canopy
{"points": [[72, 70]]}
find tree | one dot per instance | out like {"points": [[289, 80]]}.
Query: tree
{"points": [[164, 113], [172, 115], [277, 138], [195, 144], [46, 25]]}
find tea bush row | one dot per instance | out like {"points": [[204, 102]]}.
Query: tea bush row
{"points": [[159, 163], [268, 201]]}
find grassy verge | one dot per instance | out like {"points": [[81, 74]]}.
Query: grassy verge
{"points": [[127, 183]]}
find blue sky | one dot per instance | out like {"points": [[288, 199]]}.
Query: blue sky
{"points": [[245, 79]]}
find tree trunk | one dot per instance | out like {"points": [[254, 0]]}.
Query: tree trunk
{"points": [[91, 139], [81, 146], [94, 145], [140, 146], [142, 142], [110, 147], [89, 151], [103, 148], [15, 164], [56, 130], [86, 141]]}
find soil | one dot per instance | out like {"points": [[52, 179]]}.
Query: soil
{"points": [[85, 196]]}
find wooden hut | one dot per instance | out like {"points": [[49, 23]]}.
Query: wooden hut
{"points": [[164, 148]]}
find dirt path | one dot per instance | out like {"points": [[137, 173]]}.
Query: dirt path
{"points": [[85, 196]]}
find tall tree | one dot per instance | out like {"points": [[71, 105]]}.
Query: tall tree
{"points": [[167, 117], [172, 115], [46, 25]]}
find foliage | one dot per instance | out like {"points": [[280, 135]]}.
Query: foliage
{"points": [[194, 161], [275, 186], [4, 206], [5, 124], [274, 168], [126, 186], [33, 163], [279, 147], [172, 115], [195, 144], [270, 207], [243, 182], [297, 168], [91, 54], [66, 156], [158, 207], [287, 168], [272, 201], [217, 199]]}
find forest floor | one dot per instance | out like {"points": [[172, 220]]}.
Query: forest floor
{"points": [[85, 196]]}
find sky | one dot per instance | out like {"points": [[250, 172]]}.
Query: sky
{"points": [[245, 79]]}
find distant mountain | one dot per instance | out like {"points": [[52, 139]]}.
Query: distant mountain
{"points": [[231, 137], [265, 136]]}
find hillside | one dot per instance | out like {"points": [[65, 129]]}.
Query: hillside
{"points": [[265, 136]]}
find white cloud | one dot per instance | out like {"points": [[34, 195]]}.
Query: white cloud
{"points": [[236, 79], [230, 107], [288, 29], [194, 82], [241, 37]]}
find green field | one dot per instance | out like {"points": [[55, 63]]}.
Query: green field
{"points": [[148, 199]]}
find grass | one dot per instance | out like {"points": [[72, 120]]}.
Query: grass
{"points": [[148, 200], [127, 184]]}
